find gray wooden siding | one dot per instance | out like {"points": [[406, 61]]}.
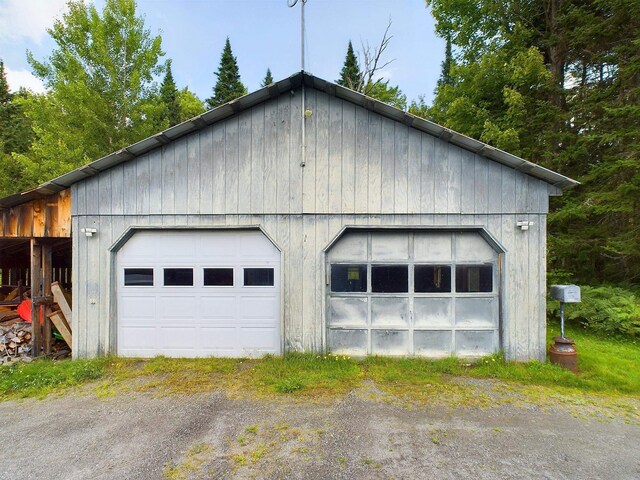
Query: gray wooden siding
{"points": [[361, 169], [356, 162]]}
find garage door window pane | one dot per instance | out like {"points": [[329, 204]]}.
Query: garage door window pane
{"points": [[432, 278], [178, 277], [474, 278], [348, 278], [138, 277], [390, 278], [258, 277], [218, 277]]}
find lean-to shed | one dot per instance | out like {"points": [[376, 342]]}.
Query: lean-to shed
{"points": [[305, 216]]}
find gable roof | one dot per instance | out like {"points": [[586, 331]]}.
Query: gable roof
{"points": [[272, 91]]}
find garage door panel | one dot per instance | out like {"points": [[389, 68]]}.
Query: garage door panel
{"points": [[432, 312], [352, 311], [475, 343], [139, 306], [476, 312], [390, 246], [349, 342], [252, 306], [259, 338], [390, 342], [177, 306], [138, 337], [389, 312], [223, 337], [435, 343], [218, 307], [432, 247], [182, 337], [471, 247]]}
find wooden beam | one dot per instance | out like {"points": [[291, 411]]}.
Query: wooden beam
{"points": [[36, 291], [62, 300], [47, 274], [58, 320]]}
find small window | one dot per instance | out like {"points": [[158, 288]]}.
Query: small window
{"points": [[138, 277], [474, 278], [432, 279], [178, 277], [218, 277], [348, 278], [258, 277], [390, 278]]}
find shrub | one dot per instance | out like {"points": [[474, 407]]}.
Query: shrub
{"points": [[608, 310]]}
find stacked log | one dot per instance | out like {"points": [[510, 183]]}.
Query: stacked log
{"points": [[15, 341]]}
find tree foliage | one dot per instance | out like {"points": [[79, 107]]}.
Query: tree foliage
{"points": [[268, 79], [100, 88], [228, 86], [169, 97], [558, 82], [350, 75]]}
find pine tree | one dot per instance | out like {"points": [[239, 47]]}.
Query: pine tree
{"points": [[447, 63], [169, 97], [268, 79], [228, 86], [15, 129], [5, 103], [350, 75]]}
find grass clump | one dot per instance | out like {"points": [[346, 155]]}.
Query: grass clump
{"points": [[41, 377]]}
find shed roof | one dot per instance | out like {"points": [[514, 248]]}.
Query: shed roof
{"points": [[271, 91]]}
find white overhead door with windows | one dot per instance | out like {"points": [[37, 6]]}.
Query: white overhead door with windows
{"points": [[198, 293], [413, 293]]}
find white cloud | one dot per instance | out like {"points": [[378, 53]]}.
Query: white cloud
{"points": [[28, 18], [23, 78]]}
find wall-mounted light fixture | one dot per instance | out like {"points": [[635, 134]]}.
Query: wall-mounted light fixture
{"points": [[524, 225], [89, 231]]}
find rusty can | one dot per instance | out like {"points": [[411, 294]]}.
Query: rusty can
{"points": [[563, 353]]}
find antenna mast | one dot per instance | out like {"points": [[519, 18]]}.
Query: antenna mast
{"points": [[293, 3]]}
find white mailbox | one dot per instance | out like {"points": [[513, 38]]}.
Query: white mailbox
{"points": [[566, 293]]}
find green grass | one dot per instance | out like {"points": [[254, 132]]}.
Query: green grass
{"points": [[41, 377], [610, 367]]}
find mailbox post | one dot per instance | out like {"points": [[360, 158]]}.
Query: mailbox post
{"points": [[563, 352]]}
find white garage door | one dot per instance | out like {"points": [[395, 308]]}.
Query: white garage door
{"points": [[198, 293]]}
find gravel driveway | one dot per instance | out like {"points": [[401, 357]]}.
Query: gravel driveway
{"points": [[141, 436]]}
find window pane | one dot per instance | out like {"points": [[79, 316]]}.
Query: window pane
{"points": [[390, 279], [432, 278], [218, 277], [348, 278], [474, 278], [178, 277], [138, 277], [258, 277]]}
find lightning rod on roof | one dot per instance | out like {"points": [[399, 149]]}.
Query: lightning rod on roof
{"points": [[293, 3]]}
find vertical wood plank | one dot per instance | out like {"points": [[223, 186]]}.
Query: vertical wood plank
{"points": [[143, 184], [193, 173], [387, 201], [155, 182], [309, 171], [206, 171], [271, 126], [508, 190], [168, 179], [335, 155], [374, 191], [104, 312], [310, 340], [481, 191], [47, 277], [282, 158], [218, 176], [76, 266], [522, 193], [36, 291], [401, 167], [92, 195], [495, 183], [283, 238], [542, 289], [348, 156], [104, 193], [181, 177], [322, 153], [129, 188], [454, 174], [257, 159], [295, 153], [427, 174], [441, 176], [244, 162], [414, 183]]}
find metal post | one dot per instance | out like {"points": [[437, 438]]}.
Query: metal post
{"points": [[302, 33], [562, 319]]}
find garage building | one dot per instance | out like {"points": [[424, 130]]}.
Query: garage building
{"points": [[305, 216]]}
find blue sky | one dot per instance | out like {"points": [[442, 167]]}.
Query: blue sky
{"points": [[263, 33]]}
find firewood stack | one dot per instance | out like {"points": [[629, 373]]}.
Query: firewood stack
{"points": [[15, 341]]}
